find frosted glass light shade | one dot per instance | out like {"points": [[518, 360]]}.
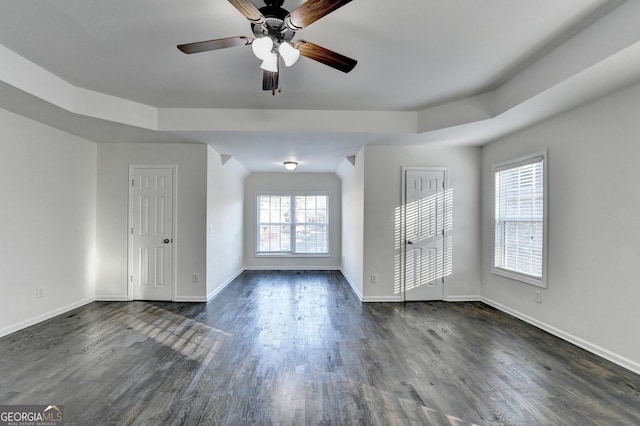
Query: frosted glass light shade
{"points": [[290, 165], [289, 53], [270, 62], [262, 47]]}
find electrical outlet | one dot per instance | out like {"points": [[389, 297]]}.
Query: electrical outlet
{"points": [[39, 293], [195, 278], [538, 296], [374, 278]]}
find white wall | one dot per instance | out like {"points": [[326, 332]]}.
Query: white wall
{"points": [[47, 221], [225, 236], [112, 217], [594, 232], [382, 202], [352, 239], [292, 182]]}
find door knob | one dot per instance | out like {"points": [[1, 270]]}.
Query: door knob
{"points": [[409, 242], [166, 241]]}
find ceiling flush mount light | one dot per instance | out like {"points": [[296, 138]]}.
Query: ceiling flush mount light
{"points": [[273, 28], [290, 165]]}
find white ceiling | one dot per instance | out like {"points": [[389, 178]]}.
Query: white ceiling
{"points": [[413, 57]]}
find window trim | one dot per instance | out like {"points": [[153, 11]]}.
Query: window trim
{"points": [[508, 164], [256, 218]]}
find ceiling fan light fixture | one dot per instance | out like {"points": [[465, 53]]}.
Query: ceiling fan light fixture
{"points": [[273, 28], [290, 165], [289, 53], [270, 63], [262, 47]]}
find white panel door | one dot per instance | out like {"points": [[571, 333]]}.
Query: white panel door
{"points": [[424, 226], [151, 233]]}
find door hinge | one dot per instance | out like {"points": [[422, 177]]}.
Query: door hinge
{"points": [[133, 183], [443, 232], [132, 229], [131, 278], [443, 185]]}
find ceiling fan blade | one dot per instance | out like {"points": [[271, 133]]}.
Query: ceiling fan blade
{"points": [[249, 11], [221, 43], [310, 11], [270, 80], [326, 56]]}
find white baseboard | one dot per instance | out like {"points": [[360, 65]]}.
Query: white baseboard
{"points": [[215, 292], [399, 298], [102, 298], [353, 287], [194, 299], [382, 299], [43, 317], [588, 346], [463, 299], [291, 268]]}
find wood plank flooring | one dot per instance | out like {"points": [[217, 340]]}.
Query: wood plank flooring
{"points": [[291, 348]]}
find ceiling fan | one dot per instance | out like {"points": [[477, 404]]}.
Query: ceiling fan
{"points": [[274, 28]]}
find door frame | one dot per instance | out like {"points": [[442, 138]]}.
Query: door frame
{"points": [[403, 225], [130, 183]]}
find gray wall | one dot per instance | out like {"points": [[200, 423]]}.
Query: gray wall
{"points": [[225, 232], [113, 199], [47, 221], [352, 177], [292, 182], [382, 206], [594, 233]]}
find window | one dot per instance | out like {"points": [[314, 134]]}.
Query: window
{"points": [[520, 219], [293, 224]]}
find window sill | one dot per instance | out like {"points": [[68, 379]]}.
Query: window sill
{"points": [[293, 255], [542, 282]]}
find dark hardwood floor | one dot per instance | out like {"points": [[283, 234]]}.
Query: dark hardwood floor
{"points": [[298, 348]]}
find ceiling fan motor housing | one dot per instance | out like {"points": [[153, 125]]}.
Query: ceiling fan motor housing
{"points": [[274, 23]]}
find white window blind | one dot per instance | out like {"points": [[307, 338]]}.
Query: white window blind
{"points": [[520, 217], [293, 223], [274, 223]]}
